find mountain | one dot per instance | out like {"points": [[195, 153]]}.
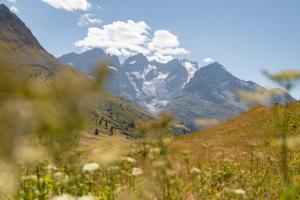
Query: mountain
{"points": [[213, 94], [157, 83], [87, 62], [25, 58], [178, 86], [150, 84], [18, 45]]}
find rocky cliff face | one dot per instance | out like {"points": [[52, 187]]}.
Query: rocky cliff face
{"points": [[178, 86], [212, 94]]}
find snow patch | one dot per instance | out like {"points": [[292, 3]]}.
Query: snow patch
{"points": [[112, 68], [156, 105], [137, 75], [132, 62], [191, 69]]}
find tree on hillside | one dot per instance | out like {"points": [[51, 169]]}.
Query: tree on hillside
{"points": [[111, 131]]}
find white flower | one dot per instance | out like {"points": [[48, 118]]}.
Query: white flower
{"points": [[58, 175], [159, 163], [128, 159], [90, 167], [114, 168], [63, 197], [29, 177], [195, 170], [154, 150], [89, 197], [137, 171], [239, 191], [171, 173], [51, 167]]}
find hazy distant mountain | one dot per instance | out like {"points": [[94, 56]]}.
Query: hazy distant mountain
{"points": [[86, 62], [150, 84], [157, 83], [213, 94], [178, 86]]}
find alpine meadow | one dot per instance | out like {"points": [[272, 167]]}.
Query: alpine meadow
{"points": [[149, 100]]}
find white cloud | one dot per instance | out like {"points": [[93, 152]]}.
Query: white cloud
{"points": [[69, 5], [12, 1], [14, 9], [208, 60], [99, 7], [129, 38], [118, 38], [87, 19], [165, 45]]}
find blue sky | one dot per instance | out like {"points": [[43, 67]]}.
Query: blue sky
{"points": [[245, 36]]}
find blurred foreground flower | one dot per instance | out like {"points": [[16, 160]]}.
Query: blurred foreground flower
{"points": [[63, 197], [195, 170], [239, 191], [261, 96], [8, 180], [206, 123], [90, 167], [128, 159], [286, 79], [137, 171], [89, 197]]}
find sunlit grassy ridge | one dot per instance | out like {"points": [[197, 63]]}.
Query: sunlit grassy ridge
{"points": [[255, 130], [60, 155], [236, 160]]}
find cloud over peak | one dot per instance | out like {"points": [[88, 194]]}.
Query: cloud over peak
{"points": [[208, 60], [12, 1], [87, 19], [14, 9], [127, 38], [69, 5], [165, 45], [118, 38]]}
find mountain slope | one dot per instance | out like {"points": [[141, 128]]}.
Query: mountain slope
{"points": [[213, 94], [150, 84], [157, 83], [118, 83], [18, 45], [255, 129], [178, 86], [25, 58]]}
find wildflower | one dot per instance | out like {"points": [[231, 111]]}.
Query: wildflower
{"points": [[195, 170], [89, 197], [154, 150], [29, 177], [51, 167], [58, 175], [128, 159], [63, 197], [171, 173], [137, 171], [159, 163], [239, 191], [90, 167], [114, 168]]}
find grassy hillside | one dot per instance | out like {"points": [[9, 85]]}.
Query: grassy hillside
{"points": [[255, 130]]}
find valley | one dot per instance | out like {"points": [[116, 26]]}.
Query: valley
{"points": [[97, 126]]}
